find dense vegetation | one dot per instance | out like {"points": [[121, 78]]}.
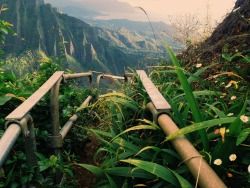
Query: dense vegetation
{"points": [[211, 108]]}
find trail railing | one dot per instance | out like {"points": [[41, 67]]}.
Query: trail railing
{"points": [[160, 108], [20, 121]]}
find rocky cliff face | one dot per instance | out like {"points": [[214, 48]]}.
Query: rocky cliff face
{"points": [[40, 26]]}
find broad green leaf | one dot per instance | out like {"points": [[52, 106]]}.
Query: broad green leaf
{"points": [[127, 103], [160, 171], [40, 156], [196, 94], [43, 167], [130, 146], [111, 182], [129, 172], [4, 30], [242, 136], [217, 111], [125, 184], [201, 125], [227, 57], [112, 162], [95, 170], [4, 99], [198, 73]]}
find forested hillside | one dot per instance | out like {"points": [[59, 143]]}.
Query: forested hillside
{"points": [[39, 26]]}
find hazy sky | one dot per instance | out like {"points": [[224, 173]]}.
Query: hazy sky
{"points": [[161, 9], [157, 10]]}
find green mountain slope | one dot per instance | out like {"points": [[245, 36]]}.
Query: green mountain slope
{"points": [[40, 26]]}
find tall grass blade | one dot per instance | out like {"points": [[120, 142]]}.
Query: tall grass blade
{"points": [[242, 136], [217, 111], [196, 94], [95, 170], [111, 182], [129, 172], [138, 127], [199, 126], [198, 73], [160, 171], [189, 95]]}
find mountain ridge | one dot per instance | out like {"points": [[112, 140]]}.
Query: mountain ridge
{"points": [[41, 26]]}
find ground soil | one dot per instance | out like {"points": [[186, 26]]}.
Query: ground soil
{"points": [[84, 177]]}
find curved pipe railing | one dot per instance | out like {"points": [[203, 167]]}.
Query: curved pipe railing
{"points": [[8, 140], [159, 107], [100, 76], [19, 121], [199, 168]]}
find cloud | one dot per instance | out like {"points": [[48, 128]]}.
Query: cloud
{"points": [[96, 5], [109, 9]]}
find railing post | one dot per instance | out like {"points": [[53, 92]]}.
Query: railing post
{"points": [[55, 138], [128, 76], [28, 132], [26, 126]]}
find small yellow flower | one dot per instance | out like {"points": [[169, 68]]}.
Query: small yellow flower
{"points": [[227, 131], [222, 133], [217, 161], [230, 114], [230, 84], [233, 97], [244, 118], [198, 65], [248, 168], [232, 157]]}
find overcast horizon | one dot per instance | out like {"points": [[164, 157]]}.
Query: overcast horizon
{"points": [[157, 10]]}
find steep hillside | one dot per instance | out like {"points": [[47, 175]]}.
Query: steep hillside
{"points": [[40, 26], [231, 38]]}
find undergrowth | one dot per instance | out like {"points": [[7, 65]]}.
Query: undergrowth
{"points": [[212, 112]]}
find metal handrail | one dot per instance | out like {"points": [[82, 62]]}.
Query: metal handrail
{"points": [[65, 129], [109, 76], [8, 140], [28, 104], [159, 108], [19, 119], [199, 168]]}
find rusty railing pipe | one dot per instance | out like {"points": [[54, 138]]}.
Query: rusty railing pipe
{"points": [[199, 168], [66, 128], [79, 75], [8, 140]]}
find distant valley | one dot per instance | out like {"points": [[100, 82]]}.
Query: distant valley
{"points": [[109, 46]]}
